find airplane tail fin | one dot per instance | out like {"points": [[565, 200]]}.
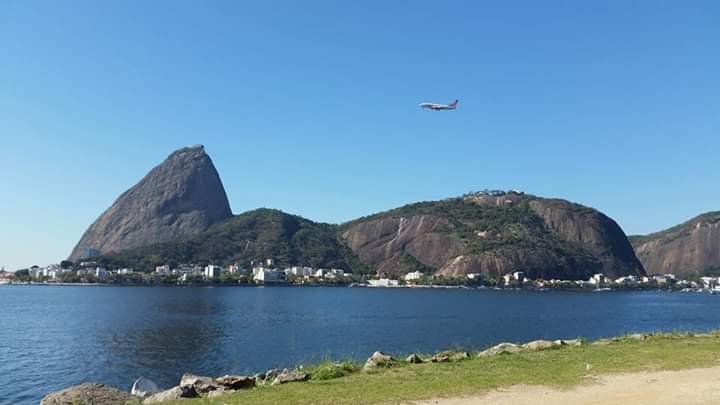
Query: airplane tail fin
{"points": [[454, 103]]}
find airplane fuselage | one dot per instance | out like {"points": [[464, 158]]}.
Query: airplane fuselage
{"points": [[439, 107]]}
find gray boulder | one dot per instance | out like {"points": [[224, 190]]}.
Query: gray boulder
{"points": [[637, 336], [379, 359], [539, 345], [236, 382], [144, 387], [288, 376], [173, 394], [413, 359], [502, 348], [270, 375], [568, 342], [449, 356], [217, 393], [202, 385], [87, 394]]}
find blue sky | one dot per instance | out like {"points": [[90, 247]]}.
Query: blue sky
{"points": [[311, 107]]}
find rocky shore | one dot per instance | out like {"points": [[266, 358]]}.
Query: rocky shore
{"points": [[145, 391]]}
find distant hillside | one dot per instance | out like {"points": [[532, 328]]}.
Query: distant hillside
{"points": [[494, 235], [691, 248], [258, 234], [179, 213]]}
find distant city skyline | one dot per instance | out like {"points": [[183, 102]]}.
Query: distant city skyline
{"points": [[312, 108]]}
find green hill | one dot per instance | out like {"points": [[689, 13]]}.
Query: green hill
{"points": [[257, 234]]}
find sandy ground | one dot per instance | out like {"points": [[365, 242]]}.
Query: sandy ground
{"points": [[697, 386]]}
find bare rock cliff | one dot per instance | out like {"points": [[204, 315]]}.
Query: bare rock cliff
{"points": [[689, 248], [545, 238], [180, 197]]}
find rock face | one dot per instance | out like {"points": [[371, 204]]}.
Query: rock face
{"points": [[493, 235], [172, 394], [144, 387], [288, 376], [539, 345], [502, 348], [199, 384], [379, 359], [689, 248], [181, 197], [87, 394], [446, 356], [236, 382]]}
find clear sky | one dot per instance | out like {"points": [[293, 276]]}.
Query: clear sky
{"points": [[311, 106]]}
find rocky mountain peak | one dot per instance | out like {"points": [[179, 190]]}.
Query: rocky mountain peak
{"points": [[180, 197]]}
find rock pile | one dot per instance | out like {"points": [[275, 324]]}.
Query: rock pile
{"points": [[194, 386]]}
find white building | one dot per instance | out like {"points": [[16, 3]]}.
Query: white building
{"points": [[270, 276], [300, 271], [515, 278], [415, 275], [335, 273], [101, 273], [235, 269], [55, 273], [709, 282], [383, 282], [257, 269], [627, 280], [599, 280], [212, 271], [165, 269], [125, 271]]}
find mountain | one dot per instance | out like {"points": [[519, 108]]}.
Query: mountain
{"points": [[179, 213], [182, 196], [254, 235], [493, 235], [691, 248]]}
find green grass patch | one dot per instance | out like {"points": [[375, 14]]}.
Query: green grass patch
{"points": [[561, 367], [328, 370]]}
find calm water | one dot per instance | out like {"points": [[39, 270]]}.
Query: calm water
{"points": [[54, 337]]}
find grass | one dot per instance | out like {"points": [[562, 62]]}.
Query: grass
{"points": [[345, 383]]}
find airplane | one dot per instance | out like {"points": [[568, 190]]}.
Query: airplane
{"points": [[439, 107]]}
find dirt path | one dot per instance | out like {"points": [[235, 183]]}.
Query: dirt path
{"points": [[696, 386]]}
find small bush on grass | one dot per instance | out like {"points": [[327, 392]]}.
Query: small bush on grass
{"points": [[328, 370]]}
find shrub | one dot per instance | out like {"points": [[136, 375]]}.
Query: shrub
{"points": [[328, 370]]}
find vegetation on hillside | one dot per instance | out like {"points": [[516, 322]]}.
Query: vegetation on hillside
{"points": [[482, 229], [512, 226], [254, 235]]}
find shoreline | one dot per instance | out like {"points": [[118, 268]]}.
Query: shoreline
{"points": [[452, 377], [355, 285]]}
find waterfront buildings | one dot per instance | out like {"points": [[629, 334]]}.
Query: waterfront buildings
{"points": [[212, 271], [270, 276]]}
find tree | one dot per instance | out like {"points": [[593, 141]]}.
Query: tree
{"points": [[22, 275]]}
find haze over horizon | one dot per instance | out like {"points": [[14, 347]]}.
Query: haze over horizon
{"points": [[312, 108]]}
